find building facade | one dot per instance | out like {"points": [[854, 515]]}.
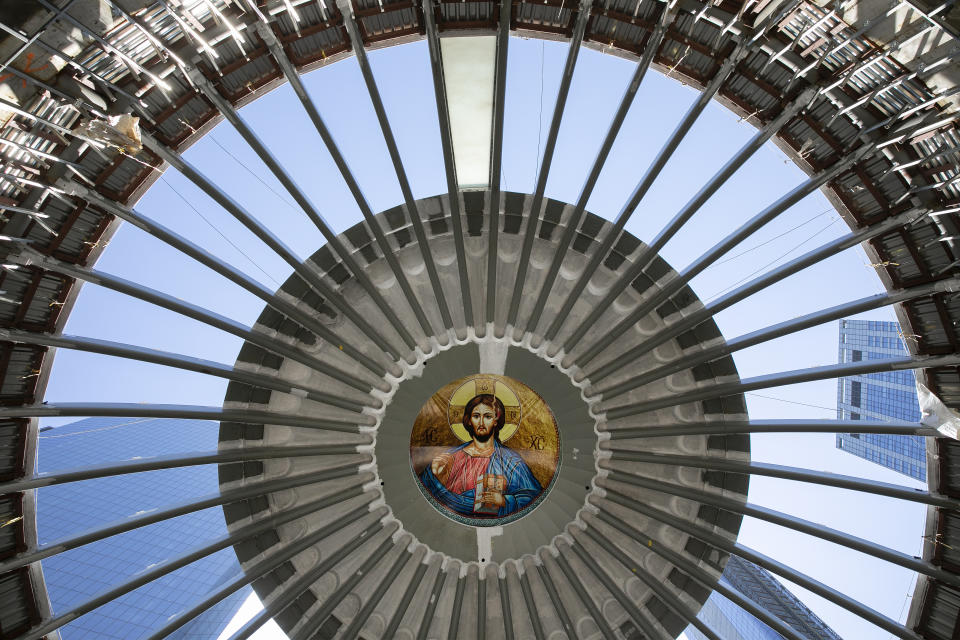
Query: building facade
{"points": [[731, 622], [879, 396], [63, 511]]}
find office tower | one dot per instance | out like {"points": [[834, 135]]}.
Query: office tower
{"points": [[76, 576], [731, 622], [879, 396]]}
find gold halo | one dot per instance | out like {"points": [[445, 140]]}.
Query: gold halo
{"points": [[479, 386]]}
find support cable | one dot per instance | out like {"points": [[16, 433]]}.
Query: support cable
{"points": [[649, 252], [652, 173], [797, 474], [779, 330], [308, 273], [651, 48], [723, 544], [496, 157], [31, 257], [573, 53], [782, 519], [446, 142], [413, 211], [198, 365], [388, 252], [289, 593], [746, 290], [780, 379], [265, 566], [199, 254], [261, 525]]}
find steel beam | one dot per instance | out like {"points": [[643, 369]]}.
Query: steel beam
{"points": [[777, 331], [408, 593], [651, 48], [413, 211], [60, 130], [747, 229], [210, 318], [532, 610], [481, 605], [504, 589], [782, 379], [162, 50], [772, 426], [208, 90], [188, 363], [353, 631], [438, 582], [670, 599], [35, 41], [132, 64], [455, 610], [302, 268], [204, 502], [561, 610], [723, 544], [35, 38], [629, 606], [194, 412], [290, 72], [777, 471], [530, 232], [314, 622], [261, 525], [650, 251], [176, 461], [757, 284], [199, 254], [446, 142], [652, 173], [40, 84], [496, 157], [289, 593], [784, 520], [705, 579], [574, 581], [264, 567]]}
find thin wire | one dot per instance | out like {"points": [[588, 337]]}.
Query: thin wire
{"points": [[911, 588], [814, 406], [279, 195], [776, 237], [772, 262], [94, 430], [536, 168], [212, 226]]}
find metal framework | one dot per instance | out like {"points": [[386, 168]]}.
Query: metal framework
{"points": [[866, 105]]}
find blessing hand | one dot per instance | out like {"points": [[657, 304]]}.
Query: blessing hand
{"points": [[441, 466]]}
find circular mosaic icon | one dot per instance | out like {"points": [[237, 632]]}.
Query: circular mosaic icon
{"points": [[485, 450]]}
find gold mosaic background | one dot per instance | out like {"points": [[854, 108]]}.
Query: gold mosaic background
{"points": [[536, 440]]}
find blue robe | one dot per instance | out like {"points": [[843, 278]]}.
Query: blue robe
{"points": [[522, 487]]}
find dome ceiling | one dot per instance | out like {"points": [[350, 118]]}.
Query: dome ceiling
{"points": [[649, 480]]}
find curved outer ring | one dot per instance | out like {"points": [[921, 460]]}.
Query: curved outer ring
{"points": [[868, 193]]}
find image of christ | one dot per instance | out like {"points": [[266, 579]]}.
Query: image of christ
{"points": [[483, 476]]}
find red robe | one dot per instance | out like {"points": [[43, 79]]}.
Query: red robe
{"points": [[464, 470]]}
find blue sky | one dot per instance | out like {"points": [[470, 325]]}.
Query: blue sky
{"points": [[533, 76]]}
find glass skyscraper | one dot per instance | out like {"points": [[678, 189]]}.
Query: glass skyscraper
{"points": [[76, 576], [730, 622], [879, 396]]}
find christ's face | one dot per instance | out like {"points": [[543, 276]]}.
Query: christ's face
{"points": [[483, 419]]}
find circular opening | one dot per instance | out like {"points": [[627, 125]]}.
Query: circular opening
{"points": [[485, 449]]}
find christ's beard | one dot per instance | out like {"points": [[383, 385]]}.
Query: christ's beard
{"points": [[482, 438]]}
